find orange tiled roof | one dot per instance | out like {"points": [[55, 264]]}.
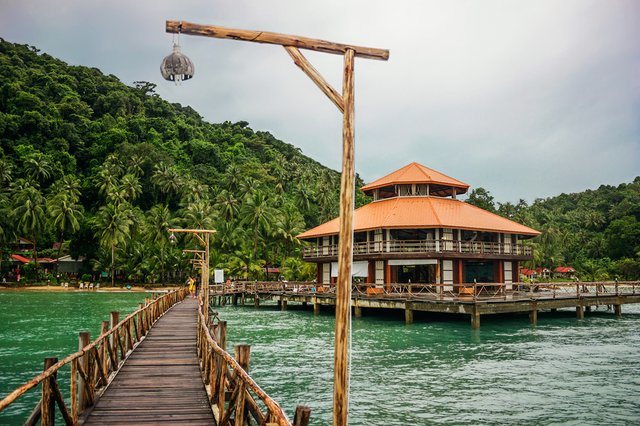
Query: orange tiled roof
{"points": [[415, 173], [423, 212]]}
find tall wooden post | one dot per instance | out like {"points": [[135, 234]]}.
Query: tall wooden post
{"points": [[205, 277], [345, 254], [345, 104]]}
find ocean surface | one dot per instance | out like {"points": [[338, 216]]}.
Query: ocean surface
{"points": [[434, 371]]}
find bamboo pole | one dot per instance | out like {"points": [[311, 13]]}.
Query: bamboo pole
{"points": [[345, 254], [274, 38]]}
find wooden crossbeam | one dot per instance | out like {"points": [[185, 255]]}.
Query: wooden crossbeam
{"points": [[274, 38]]}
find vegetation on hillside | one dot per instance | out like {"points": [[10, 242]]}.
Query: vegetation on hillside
{"points": [[107, 168], [104, 169], [597, 232]]}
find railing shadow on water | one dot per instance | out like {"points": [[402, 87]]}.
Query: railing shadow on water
{"points": [[94, 365], [233, 394]]}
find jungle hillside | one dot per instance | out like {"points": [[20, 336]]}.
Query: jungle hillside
{"points": [[98, 169]]}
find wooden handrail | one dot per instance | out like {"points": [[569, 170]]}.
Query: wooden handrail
{"points": [[274, 408], [151, 312]]}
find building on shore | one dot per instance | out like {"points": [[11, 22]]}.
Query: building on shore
{"points": [[416, 231]]}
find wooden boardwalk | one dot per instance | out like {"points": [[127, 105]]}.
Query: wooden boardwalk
{"points": [[161, 381]]}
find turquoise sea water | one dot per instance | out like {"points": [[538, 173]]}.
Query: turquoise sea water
{"points": [[36, 325], [434, 371]]}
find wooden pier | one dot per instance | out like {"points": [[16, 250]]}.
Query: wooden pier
{"points": [[472, 299], [160, 382]]}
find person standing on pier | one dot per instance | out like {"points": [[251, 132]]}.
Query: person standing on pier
{"points": [[192, 287]]}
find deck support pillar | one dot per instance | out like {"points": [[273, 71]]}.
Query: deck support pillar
{"points": [[357, 311], [256, 301], [408, 314], [580, 312], [475, 318], [587, 309], [533, 314], [235, 299], [617, 310], [316, 306], [283, 304]]}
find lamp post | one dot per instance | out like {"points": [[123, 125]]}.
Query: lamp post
{"points": [[201, 258], [345, 103]]}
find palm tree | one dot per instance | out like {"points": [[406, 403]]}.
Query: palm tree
{"points": [[166, 179], [113, 225], [68, 185], [5, 172], [135, 164], [289, 225], [38, 167], [257, 214], [227, 204], [29, 213], [65, 215], [130, 187], [199, 215], [106, 180], [158, 222]]}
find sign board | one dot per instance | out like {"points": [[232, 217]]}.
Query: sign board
{"points": [[218, 276]]}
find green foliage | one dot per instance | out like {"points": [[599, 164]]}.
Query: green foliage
{"points": [[109, 167], [595, 231]]}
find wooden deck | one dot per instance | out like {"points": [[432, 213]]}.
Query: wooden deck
{"points": [[484, 298], [161, 381]]}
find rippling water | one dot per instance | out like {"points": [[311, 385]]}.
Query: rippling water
{"points": [[36, 325], [439, 371], [434, 371]]}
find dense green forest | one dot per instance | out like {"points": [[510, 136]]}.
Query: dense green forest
{"points": [[104, 169], [597, 232], [107, 168]]}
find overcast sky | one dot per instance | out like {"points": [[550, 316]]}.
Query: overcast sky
{"points": [[527, 99]]}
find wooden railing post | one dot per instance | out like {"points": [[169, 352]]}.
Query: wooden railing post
{"points": [[48, 402], [301, 418], [221, 367], [141, 330], [104, 353], [243, 353], [115, 336], [83, 364]]}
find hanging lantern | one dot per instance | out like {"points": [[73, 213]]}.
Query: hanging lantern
{"points": [[177, 66]]}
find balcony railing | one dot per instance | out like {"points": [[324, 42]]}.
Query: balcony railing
{"points": [[423, 246]]}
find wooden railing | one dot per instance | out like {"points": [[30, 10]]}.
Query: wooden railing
{"points": [[95, 363], [476, 291], [234, 395], [423, 246]]}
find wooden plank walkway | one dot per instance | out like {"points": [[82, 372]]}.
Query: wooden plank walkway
{"points": [[161, 381]]}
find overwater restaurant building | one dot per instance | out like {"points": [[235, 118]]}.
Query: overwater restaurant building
{"points": [[416, 231]]}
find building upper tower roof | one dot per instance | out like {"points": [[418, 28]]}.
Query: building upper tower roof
{"points": [[418, 174]]}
